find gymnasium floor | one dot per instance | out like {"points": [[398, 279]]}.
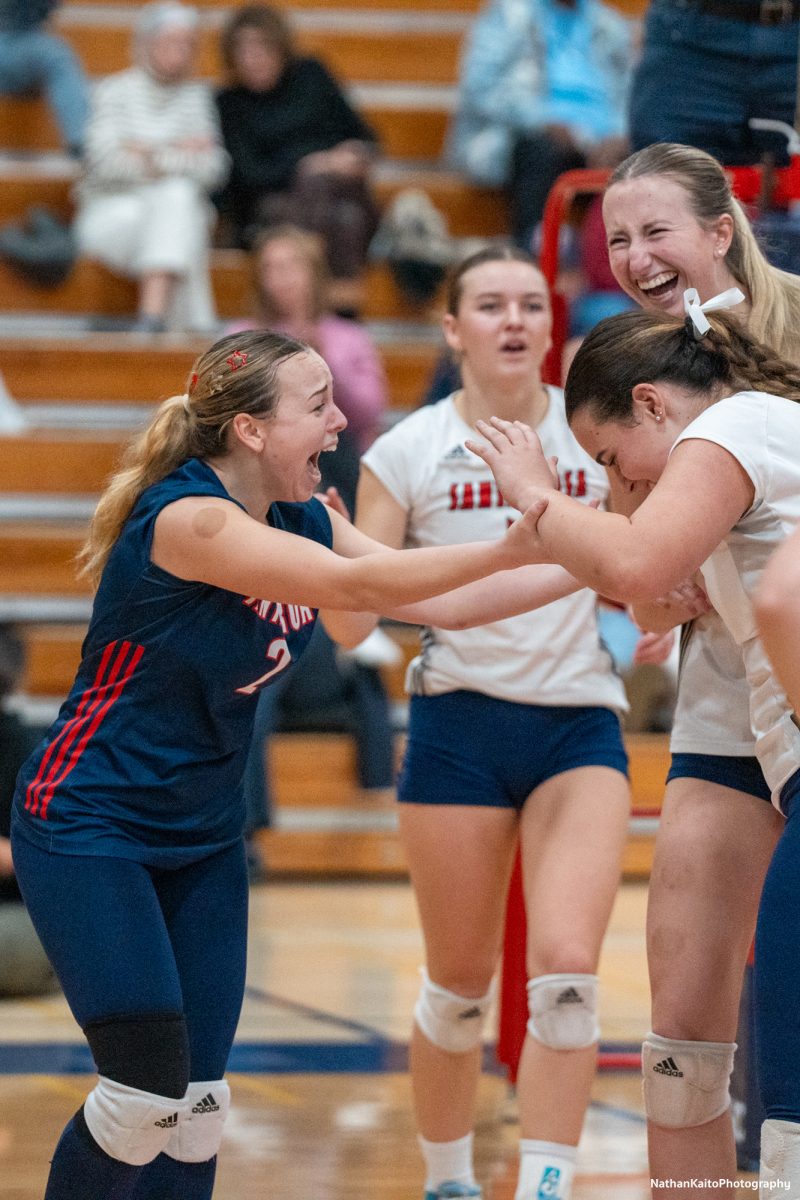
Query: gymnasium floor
{"points": [[321, 1101]]}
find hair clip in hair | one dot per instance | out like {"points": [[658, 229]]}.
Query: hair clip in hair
{"points": [[237, 359], [696, 311], [193, 381]]}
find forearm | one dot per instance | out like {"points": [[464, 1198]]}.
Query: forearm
{"points": [[383, 581], [348, 629], [606, 552], [505, 594]]}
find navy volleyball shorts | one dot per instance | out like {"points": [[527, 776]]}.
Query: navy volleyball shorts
{"points": [[741, 772], [467, 748]]}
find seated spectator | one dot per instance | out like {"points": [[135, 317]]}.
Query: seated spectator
{"points": [[153, 155], [24, 968], [34, 59], [299, 150], [542, 90], [291, 288]]}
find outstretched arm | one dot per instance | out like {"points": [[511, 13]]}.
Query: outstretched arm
{"points": [[777, 609], [700, 496], [212, 540]]}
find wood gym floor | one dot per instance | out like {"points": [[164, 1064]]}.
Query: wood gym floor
{"points": [[321, 1100]]}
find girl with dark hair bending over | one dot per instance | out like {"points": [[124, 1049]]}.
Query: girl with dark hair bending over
{"points": [[707, 417], [127, 826], [672, 223]]}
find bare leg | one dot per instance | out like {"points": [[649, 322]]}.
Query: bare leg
{"points": [[713, 848], [573, 834], [460, 860], [155, 293]]}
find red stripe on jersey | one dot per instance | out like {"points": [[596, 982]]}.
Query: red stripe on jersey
{"points": [[99, 697], [90, 728], [31, 800]]}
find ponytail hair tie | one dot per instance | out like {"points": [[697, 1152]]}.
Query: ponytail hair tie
{"points": [[187, 406], [695, 311]]}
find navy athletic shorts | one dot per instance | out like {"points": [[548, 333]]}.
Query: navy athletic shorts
{"points": [[741, 772], [467, 748]]}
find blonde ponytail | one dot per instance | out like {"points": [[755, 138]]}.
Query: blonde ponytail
{"points": [[237, 374], [163, 446], [774, 294]]}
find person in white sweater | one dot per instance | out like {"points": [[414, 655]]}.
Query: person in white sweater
{"points": [[153, 156]]}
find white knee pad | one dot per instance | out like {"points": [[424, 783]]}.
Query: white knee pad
{"points": [[780, 1156], [131, 1126], [685, 1083], [563, 1011], [199, 1132], [451, 1022]]}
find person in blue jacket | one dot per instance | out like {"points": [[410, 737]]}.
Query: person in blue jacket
{"points": [[213, 557]]}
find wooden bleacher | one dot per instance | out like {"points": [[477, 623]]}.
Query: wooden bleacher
{"points": [[401, 62]]}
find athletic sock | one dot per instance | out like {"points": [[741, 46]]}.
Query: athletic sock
{"points": [[545, 1170], [448, 1162], [81, 1170], [167, 1179]]}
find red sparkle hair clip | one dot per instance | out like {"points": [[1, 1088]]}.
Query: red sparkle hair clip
{"points": [[237, 359]]}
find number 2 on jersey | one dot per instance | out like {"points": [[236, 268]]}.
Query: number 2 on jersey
{"points": [[277, 652]]}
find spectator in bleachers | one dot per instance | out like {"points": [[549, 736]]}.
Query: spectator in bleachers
{"points": [[543, 90], [726, 61], [153, 155], [34, 59], [24, 967], [299, 150], [291, 287]]}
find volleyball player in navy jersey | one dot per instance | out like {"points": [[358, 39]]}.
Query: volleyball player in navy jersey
{"points": [[213, 558]]}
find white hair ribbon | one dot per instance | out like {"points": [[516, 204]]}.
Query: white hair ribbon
{"points": [[696, 311]]}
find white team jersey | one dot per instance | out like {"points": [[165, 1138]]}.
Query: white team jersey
{"points": [[552, 655], [762, 432], [712, 714]]}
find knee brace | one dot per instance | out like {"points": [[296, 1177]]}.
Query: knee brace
{"points": [[148, 1052], [451, 1022], [780, 1153], [198, 1134], [685, 1083], [130, 1125], [563, 1011]]}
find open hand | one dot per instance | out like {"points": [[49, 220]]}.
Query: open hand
{"points": [[654, 649], [515, 457], [688, 596]]}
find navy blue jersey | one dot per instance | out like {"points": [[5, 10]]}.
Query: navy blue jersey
{"points": [[146, 756]]}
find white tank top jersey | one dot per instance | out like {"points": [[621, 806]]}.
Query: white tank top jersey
{"points": [[712, 713], [761, 432], [551, 656]]}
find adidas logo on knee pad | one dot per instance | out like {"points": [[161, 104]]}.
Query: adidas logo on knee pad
{"points": [[570, 996], [668, 1067], [207, 1105], [168, 1122]]}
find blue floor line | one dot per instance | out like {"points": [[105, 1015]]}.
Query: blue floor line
{"points": [[315, 1014], [377, 1055]]}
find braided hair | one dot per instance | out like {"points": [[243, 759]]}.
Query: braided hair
{"points": [[645, 347]]}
